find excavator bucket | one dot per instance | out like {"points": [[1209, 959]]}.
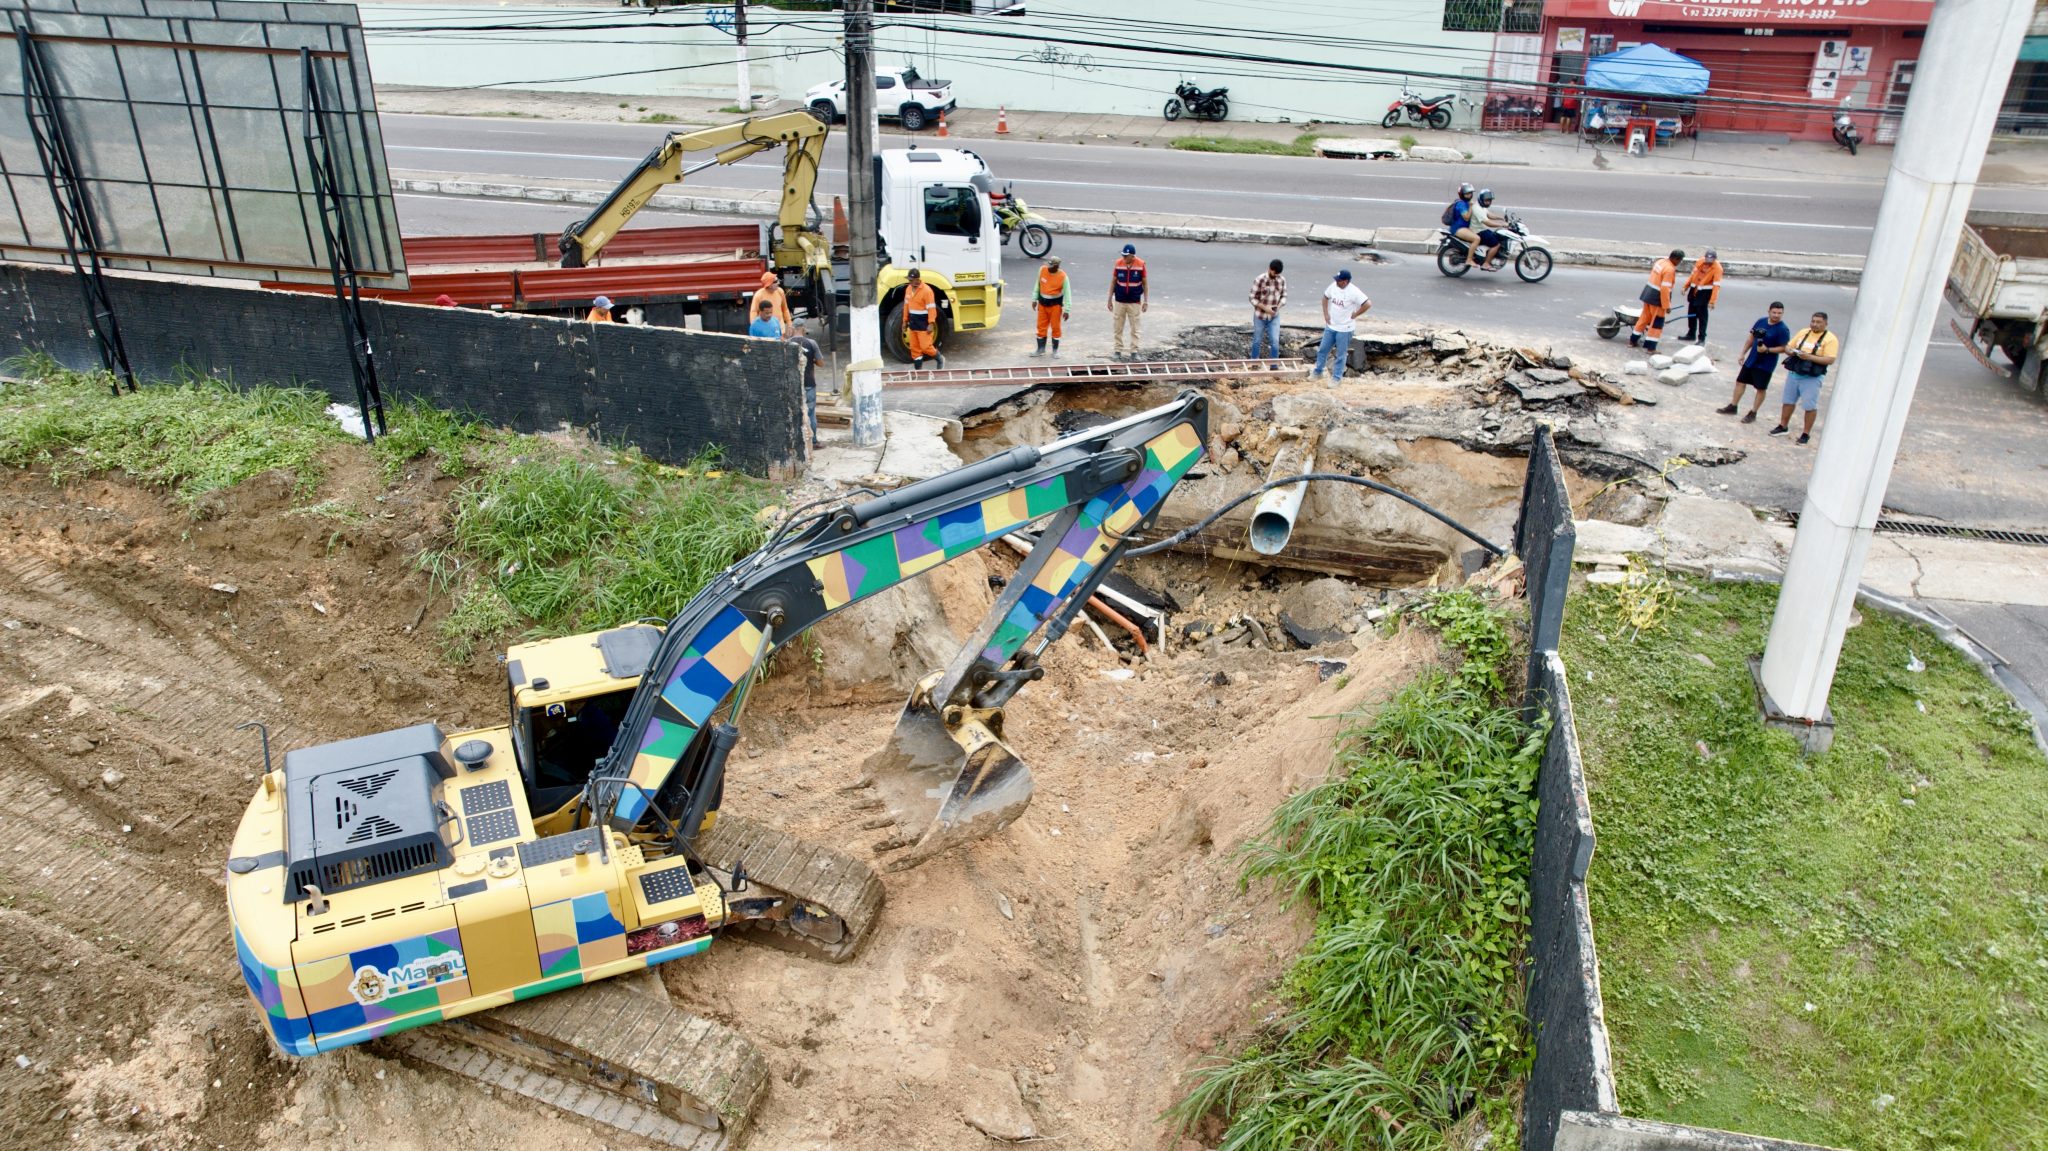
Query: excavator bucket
{"points": [[944, 778]]}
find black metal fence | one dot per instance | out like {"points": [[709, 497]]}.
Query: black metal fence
{"points": [[1571, 1070]]}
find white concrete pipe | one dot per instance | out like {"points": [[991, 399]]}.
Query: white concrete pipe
{"points": [[1273, 516]]}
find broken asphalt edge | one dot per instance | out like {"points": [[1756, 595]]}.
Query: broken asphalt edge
{"points": [[1756, 265]]}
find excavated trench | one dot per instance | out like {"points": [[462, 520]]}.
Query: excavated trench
{"points": [[1055, 980]]}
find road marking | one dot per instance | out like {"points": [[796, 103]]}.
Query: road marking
{"points": [[496, 152], [1768, 195]]}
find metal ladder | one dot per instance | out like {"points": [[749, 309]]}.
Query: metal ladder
{"points": [[1138, 372]]}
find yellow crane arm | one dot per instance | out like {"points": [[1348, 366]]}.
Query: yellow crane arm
{"points": [[800, 132]]}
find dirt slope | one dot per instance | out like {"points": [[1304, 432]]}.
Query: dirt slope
{"points": [[1060, 976]]}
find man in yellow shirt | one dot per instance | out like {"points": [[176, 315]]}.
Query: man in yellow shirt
{"points": [[1806, 361]]}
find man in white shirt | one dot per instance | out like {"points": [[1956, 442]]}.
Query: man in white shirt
{"points": [[1343, 303]]}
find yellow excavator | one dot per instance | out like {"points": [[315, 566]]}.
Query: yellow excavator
{"points": [[935, 215], [491, 882]]}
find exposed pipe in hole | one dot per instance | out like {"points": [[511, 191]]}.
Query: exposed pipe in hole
{"points": [[1273, 517]]}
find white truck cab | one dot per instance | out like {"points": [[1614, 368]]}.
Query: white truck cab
{"points": [[936, 217]]}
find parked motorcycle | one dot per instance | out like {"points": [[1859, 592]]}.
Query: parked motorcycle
{"points": [[1192, 101], [1434, 111], [1528, 252], [1845, 132], [1015, 217]]}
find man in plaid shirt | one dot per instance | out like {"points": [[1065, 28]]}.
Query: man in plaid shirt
{"points": [[1269, 295]]}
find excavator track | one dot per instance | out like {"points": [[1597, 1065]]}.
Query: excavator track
{"points": [[612, 1054], [845, 890]]}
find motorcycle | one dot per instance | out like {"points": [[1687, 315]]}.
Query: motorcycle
{"points": [[1190, 100], [1015, 217], [1845, 132], [1434, 111], [1528, 252]]}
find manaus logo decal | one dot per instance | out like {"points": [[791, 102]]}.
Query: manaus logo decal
{"points": [[373, 986]]}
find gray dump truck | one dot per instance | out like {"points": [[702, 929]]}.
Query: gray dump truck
{"points": [[1999, 285]]}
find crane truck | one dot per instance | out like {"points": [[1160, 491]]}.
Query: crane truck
{"points": [[490, 882], [935, 216]]}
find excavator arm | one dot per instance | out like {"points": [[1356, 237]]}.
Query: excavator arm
{"points": [[946, 775], [801, 133]]}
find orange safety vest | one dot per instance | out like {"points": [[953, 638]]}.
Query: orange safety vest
{"points": [[1705, 276], [1052, 288], [920, 308], [1663, 274], [1129, 280]]}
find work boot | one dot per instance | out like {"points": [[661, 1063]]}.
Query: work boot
{"points": [[1650, 346], [939, 360], [1055, 348], [917, 363], [1041, 348], [1635, 339]]}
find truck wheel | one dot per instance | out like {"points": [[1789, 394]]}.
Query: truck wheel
{"points": [[824, 110], [892, 331], [913, 118]]}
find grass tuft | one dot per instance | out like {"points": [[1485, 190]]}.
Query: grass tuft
{"points": [[192, 437], [562, 543], [1302, 145], [420, 429], [1404, 1013], [1849, 949]]}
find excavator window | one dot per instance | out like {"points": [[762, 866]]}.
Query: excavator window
{"points": [[560, 743]]}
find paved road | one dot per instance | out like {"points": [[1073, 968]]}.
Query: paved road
{"points": [[1688, 211], [1973, 453]]}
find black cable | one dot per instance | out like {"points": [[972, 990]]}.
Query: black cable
{"points": [[1188, 532]]}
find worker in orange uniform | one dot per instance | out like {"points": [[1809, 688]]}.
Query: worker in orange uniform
{"points": [[600, 310], [1055, 302], [1702, 292], [921, 322], [1656, 297], [771, 289]]}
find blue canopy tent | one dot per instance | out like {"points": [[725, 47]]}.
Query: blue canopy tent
{"points": [[1646, 70]]}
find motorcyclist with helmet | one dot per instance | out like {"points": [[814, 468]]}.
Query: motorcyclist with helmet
{"points": [[1460, 219]]}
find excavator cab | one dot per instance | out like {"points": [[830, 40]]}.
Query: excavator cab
{"points": [[567, 698]]}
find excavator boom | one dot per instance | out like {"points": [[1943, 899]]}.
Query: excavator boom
{"points": [[802, 134]]}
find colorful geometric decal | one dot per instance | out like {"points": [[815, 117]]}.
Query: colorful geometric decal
{"points": [[576, 933], [277, 996], [718, 656], [1102, 521], [884, 561], [381, 983]]}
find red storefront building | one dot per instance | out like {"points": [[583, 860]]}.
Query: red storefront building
{"points": [[1761, 55]]}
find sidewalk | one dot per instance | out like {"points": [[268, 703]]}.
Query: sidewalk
{"points": [[2010, 161]]}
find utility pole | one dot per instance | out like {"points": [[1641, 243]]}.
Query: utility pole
{"points": [[739, 27], [863, 217], [1965, 63]]}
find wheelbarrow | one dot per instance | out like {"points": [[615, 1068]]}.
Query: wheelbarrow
{"points": [[1623, 319]]}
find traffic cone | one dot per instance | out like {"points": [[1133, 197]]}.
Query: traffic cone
{"points": [[942, 125], [1002, 120]]}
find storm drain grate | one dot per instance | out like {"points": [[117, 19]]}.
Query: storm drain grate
{"points": [[1950, 531]]}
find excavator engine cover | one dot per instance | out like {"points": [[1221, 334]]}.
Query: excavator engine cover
{"points": [[945, 778]]}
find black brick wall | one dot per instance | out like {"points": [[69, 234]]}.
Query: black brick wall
{"points": [[669, 392]]}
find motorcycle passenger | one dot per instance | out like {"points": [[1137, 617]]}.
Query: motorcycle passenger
{"points": [[1485, 218], [1458, 218]]}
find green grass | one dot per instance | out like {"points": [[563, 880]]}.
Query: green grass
{"points": [[1302, 145], [192, 437], [1404, 1013], [1850, 949], [546, 538], [659, 118], [559, 542]]}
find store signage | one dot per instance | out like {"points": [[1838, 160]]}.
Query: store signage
{"points": [[1781, 12]]}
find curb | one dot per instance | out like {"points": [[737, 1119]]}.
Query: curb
{"points": [[1202, 229]]}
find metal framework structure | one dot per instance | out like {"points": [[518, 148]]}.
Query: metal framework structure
{"points": [[1139, 372], [74, 207], [334, 232]]}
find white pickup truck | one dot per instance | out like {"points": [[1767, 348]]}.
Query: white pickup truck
{"points": [[1999, 284], [900, 94]]}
